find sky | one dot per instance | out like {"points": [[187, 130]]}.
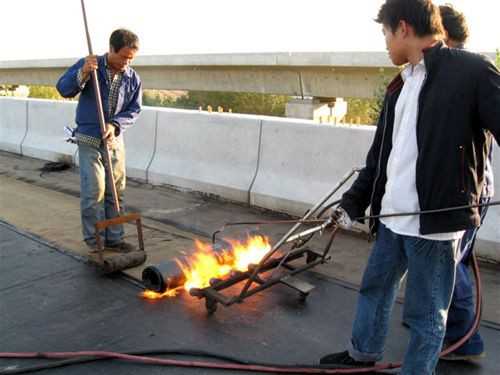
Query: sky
{"points": [[42, 29]]}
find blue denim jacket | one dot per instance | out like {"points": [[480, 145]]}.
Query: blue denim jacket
{"points": [[128, 106]]}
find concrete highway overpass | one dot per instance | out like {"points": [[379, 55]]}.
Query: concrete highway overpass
{"points": [[322, 75]]}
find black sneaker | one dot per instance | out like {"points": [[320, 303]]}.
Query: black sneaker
{"points": [[91, 245], [344, 359], [120, 247]]}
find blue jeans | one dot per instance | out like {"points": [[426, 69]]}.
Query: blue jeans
{"points": [[431, 274], [462, 309], [96, 199]]}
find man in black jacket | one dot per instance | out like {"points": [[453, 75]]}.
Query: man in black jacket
{"points": [[461, 314], [428, 154]]}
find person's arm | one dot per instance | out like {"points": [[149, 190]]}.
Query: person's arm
{"points": [[357, 198], [128, 115], [75, 78], [489, 99]]}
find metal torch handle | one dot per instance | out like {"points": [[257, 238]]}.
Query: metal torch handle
{"points": [[307, 232], [100, 115], [275, 248]]}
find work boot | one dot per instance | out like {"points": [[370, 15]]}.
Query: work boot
{"points": [[91, 245], [343, 359], [120, 247]]}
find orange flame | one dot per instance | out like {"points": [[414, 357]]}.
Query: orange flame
{"points": [[249, 252], [206, 264], [149, 294]]}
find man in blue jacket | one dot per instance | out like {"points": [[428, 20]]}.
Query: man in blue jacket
{"points": [[121, 95]]}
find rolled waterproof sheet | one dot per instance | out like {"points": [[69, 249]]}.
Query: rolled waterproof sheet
{"points": [[122, 262], [163, 276], [168, 275]]}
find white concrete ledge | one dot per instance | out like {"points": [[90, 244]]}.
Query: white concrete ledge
{"points": [[140, 142], [301, 161], [310, 59], [340, 59], [13, 124], [214, 153], [46, 122]]}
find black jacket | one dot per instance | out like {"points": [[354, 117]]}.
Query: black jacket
{"points": [[460, 98]]}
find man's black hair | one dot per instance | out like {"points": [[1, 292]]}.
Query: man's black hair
{"points": [[123, 38], [422, 15], [454, 23]]}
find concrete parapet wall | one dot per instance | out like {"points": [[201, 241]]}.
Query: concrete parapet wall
{"points": [[301, 161], [13, 124], [279, 164], [45, 138], [140, 142], [210, 152]]}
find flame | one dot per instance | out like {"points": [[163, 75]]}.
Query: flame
{"points": [[250, 252], [149, 294], [206, 264]]}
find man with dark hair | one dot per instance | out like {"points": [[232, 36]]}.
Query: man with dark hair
{"points": [[455, 26], [121, 95], [462, 313], [428, 153]]}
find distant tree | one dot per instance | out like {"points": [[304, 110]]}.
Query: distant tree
{"points": [[251, 103], [158, 98], [362, 109], [378, 104], [260, 104], [368, 110], [44, 92], [8, 90]]}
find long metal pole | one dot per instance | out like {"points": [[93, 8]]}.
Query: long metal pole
{"points": [[100, 115]]}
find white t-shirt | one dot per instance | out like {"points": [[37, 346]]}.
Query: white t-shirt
{"points": [[401, 188]]}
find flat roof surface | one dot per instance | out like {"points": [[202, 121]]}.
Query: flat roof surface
{"points": [[51, 300]]}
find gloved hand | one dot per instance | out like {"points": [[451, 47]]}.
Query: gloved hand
{"points": [[341, 217]]}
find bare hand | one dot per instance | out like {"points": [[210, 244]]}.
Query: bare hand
{"points": [[89, 65], [109, 134]]}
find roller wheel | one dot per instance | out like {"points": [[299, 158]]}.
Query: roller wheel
{"points": [[311, 257], [303, 297]]}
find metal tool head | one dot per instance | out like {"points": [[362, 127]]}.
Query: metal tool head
{"points": [[119, 262]]}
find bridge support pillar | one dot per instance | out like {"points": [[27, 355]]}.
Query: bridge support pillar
{"points": [[323, 110]]}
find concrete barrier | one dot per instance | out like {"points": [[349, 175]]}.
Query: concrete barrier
{"points": [[46, 137], [209, 152], [140, 144], [13, 123], [278, 164], [301, 161]]}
